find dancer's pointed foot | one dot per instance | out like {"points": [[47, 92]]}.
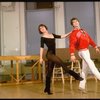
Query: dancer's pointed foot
{"points": [[75, 75], [79, 78]]}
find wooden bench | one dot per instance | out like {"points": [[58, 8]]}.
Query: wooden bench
{"points": [[17, 60]]}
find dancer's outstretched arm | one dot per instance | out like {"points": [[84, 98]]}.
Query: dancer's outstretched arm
{"points": [[65, 35]]}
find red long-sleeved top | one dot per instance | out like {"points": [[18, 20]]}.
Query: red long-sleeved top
{"points": [[80, 39]]}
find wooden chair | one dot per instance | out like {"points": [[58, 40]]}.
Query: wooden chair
{"points": [[76, 67], [58, 74]]}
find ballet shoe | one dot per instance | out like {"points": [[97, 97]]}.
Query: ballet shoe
{"points": [[82, 90], [48, 92], [79, 78], [75, 75]]}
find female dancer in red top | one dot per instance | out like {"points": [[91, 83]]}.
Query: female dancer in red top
{"points": [[80, 40], [49, 40]]}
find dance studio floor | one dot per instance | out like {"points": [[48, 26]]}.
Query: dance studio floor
{"points": [[35, 91]]}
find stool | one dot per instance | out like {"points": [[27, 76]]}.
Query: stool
{"points": [[58, 74], [76, 67]]}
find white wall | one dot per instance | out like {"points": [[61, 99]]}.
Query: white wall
{"points": [[59, 23], [13, 30], [97, 16]]}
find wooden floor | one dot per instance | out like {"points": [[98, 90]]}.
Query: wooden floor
{"points": [[35, 90]]}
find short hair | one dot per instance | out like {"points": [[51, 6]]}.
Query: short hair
{"points": [[40, 26], [74, 18]]}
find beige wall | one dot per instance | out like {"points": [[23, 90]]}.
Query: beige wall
{"points": [[13, 28], [59, 23], [97, 14]]}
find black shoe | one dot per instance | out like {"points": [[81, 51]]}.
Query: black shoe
{"points": [[75, 75], [48, 91], [79, 78]]}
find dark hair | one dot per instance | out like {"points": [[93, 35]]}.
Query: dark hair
{"points": [[74, 18], [40, 26]]}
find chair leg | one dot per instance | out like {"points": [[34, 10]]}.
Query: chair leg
{"points": [[62, 76], [78, 68]]}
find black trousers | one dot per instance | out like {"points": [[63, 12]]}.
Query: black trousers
{"points": [[52, 60]]}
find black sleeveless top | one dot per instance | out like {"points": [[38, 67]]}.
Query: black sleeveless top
{"points": [[50, 43]]}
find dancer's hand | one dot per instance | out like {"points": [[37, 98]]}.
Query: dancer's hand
{"points": [[73, 58], [41, 60], [97, 50]]}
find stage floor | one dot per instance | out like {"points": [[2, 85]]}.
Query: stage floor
{"points": [[60, 91]]}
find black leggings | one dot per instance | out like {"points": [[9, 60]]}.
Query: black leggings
{"points": [[52, 60]]}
